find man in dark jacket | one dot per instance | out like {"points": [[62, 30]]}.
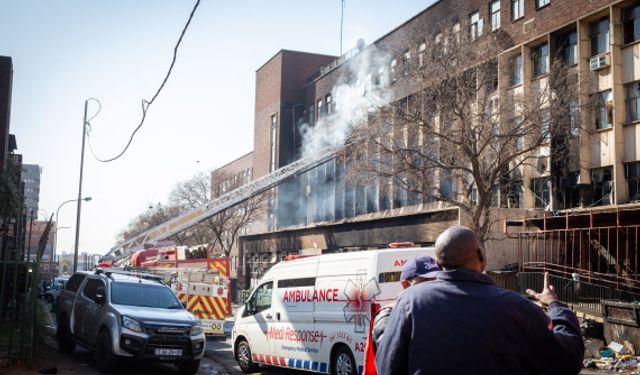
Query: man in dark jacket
{"points": [[462, 323]]}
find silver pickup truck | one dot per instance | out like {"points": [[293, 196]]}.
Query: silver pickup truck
{"points": [[127, 315]]}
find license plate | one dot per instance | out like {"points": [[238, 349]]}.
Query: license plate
{"points": [[171, 352]]}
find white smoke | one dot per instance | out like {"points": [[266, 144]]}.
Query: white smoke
{"points": [[361, 89]]}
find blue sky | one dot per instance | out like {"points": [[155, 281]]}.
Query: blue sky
{"points": [[118, 51]]}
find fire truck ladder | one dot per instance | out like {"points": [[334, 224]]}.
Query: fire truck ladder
{"points": [[124, 250]]}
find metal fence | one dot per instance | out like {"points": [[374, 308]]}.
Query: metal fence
{"points": [[604, 256], [581, 295]]}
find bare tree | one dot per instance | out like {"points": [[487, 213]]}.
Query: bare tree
{"points": [[155, 214], [222, 230], [465, 137]]}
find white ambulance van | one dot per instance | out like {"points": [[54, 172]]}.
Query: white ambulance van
{"points": [[313, 313]]}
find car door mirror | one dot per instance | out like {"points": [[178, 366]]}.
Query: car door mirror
{"points": [[184, 304], [99, 299]]}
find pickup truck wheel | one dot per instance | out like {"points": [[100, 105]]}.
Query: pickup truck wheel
{"points": [[107, 361], [244, 358], [343, 363], [63, 336], [188, 368]]}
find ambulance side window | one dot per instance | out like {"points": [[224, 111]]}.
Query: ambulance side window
{"points": [[261, 299]]}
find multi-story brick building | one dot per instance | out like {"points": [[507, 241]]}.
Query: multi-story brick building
{"points": [[318, 211], [31, 179]]}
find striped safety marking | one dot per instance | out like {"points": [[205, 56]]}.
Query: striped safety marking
{"points": [[210, 308], [302, 364], [220, 265]]}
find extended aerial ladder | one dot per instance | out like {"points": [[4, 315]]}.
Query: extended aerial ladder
{"points": [[124, 250]]}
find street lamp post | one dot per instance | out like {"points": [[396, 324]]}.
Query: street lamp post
{"points": [[55, 247]]}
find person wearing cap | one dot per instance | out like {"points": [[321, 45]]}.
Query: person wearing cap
{"points": [[462, 323], [415, 271]]}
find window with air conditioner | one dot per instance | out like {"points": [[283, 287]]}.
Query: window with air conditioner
{"points": [[602, 184], [600, 37]]}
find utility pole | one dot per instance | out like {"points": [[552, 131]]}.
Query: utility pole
{"points": [[84, 132], [341, 24]]}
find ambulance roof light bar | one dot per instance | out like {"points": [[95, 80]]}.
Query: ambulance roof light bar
{"points": [[395, 245]]}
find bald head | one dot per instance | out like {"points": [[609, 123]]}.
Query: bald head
{"points": [[459, 247]]}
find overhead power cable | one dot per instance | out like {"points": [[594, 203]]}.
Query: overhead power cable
{"points": [[147, 103]]}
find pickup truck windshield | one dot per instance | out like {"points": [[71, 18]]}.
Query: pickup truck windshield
{"points": [[131, 294]]}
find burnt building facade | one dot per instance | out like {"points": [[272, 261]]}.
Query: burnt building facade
{"points": [[300, 95]]}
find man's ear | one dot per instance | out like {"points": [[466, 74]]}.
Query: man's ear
{"points": [[405, 284]]}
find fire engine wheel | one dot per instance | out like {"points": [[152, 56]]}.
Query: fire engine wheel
{"points": [[343, 363], [244, 358]]}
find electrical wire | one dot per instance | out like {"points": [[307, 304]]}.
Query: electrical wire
{"points": [[146, 103]]}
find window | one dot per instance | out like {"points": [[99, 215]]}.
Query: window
{"points": [[379, 78], [141, 295], [541, 188], [573, 118], [515, 70], [311, 113], [421, 51], [389, 277], [632, 101], [475, 25], [600, 37], [520, 133], [604, 110], [602, 183], [517, 9], [329, 102], [392, 70], [406, 63], [438, 39], [542, 3], [545, 125], [92, 288], [455, 31], [320, 108], [74, 282], [494, 11], [632, 172], [631, 23], [515, 194], [297, 283], [571, 190], [261, 299], [568, 47], [540, 60], [274, 141]]}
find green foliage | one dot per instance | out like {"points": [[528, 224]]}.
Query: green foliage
{"points": [[10, 203]]}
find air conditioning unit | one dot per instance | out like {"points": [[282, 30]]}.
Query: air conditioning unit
{"points": [[599, 62]]}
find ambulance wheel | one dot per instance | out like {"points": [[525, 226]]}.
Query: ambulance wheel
{"points": [[244, 358], [343, 363]]}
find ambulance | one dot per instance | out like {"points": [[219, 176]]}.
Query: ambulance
{"points": [[313, 313]]}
